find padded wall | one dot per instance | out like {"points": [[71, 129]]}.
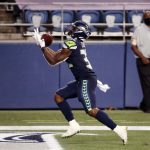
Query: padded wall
{"points": [[26, 80]]}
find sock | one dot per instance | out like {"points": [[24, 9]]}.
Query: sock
{"points": [[66, 110], [104, 118]]}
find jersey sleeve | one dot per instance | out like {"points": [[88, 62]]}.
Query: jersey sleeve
{"points": [[70, 44], [134, 37], [135, 33]]}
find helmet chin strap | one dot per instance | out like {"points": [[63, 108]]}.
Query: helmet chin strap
{"points": [[81, 38]]}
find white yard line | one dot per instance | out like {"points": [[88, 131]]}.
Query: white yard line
{"points": [[51, 142], [49, 139], [29, 128]]}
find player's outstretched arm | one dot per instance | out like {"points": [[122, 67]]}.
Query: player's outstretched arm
{"points": [[53, 57]]}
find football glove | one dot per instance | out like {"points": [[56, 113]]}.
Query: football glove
{"points": [[102, 87], [36, 35]]}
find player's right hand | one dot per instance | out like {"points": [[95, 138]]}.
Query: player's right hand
{"points": [[145, 61], [37, 37]]}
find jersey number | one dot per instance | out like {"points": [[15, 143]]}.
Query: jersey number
{"points": [[83, 52]]}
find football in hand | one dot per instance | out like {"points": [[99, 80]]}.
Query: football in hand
{"points": [[48, 38]]}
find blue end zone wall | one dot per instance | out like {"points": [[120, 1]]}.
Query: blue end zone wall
{"points": [[28, 82]]}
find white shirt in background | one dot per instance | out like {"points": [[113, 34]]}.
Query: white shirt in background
{"points": [[141, 38]]}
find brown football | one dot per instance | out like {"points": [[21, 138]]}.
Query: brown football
{"points": [[48, 38]]}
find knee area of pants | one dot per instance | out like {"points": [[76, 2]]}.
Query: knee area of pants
{"points": [[58, 98]]}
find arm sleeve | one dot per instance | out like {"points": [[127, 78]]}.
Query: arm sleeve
{"points": [[70, 44]]}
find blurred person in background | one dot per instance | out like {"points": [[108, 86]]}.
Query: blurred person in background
{"points": [[140, 44]]}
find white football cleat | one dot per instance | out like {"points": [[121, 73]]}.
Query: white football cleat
{"points": [[73, 129], [122, 133]]}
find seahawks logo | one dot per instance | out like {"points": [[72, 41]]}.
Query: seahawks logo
{"points": [[22, 138]]}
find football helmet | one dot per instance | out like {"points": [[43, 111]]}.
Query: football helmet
{"points": [[78, 29]]}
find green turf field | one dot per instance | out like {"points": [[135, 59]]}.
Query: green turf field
{"points": [[86, 140]]}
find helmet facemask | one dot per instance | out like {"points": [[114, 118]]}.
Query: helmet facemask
{"points": [[78, 30]]}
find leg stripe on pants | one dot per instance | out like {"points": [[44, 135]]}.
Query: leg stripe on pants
{"points": [[85, 95]]}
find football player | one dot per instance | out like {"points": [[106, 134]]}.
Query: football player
{"points": [[73, 52]]}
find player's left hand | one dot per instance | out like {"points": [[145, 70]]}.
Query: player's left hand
{"points": [[145, 61], [102, 87], [37, 37]]}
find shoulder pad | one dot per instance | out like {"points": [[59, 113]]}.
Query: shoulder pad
{"points": [[70, 43]]}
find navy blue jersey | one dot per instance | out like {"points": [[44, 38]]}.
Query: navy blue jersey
{"points": [[78, 61]]}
